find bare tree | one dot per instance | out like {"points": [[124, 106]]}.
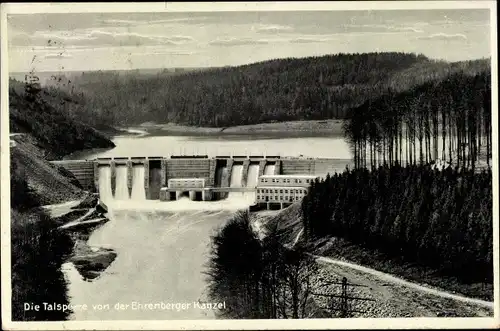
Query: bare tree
{"points": [[295, 273]]}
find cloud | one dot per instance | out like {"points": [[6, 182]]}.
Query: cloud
{"points": [[271, 28], [405, 29], [128, 23], [444, 36], [58, 56], [380, 28], [305, 40], [166, 52], [96, 38], [119, 22], [237, 42], [135, 39]]}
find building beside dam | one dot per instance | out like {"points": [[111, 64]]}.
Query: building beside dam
{"points": [[282, 190], [269, 180]]}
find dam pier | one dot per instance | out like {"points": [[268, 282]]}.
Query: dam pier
{"points": [[270, 180]]}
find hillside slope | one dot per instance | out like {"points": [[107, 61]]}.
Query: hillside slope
{"points": [[50, 183], [44, 119], [41, 131]]}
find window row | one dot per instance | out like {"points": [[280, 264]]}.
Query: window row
{"points": [[296, 191], [278, 198], [286, 180]]}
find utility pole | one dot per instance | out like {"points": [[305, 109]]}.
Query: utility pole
{"points": [[344, 299]]}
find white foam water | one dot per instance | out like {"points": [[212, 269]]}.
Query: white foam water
{"points": [[236, 175], [105, 192], [252, 181], [121, 191], [253, 175], [138, 190], [269, 169]]}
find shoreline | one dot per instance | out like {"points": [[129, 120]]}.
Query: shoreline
{"points": [[310, 128]]}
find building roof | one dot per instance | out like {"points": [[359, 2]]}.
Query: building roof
{"points": [[184, 179], [283, 187], [289, 176]]}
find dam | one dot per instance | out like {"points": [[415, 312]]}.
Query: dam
{"points": [[196, 177]]}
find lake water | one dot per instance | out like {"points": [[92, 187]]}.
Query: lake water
{"points": [[163, 247], [329, 147]]}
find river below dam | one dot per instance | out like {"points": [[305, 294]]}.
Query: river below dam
{"points": [[161, 257], [163, 247]]}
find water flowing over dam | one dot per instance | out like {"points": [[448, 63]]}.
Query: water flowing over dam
{"points": [[252, 180], [236, 175], [253, 175], [121, 192], [236, 181], [105, 183], [270, 169], [138, 178]]}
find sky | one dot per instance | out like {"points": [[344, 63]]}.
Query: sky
{"points": [[117, 41]]}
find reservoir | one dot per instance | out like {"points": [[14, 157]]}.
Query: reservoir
{"points": [[140, 146]]}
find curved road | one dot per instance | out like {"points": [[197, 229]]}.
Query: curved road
{"points": [[400, 281]]}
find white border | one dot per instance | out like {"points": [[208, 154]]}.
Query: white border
{"points": [[353, 323]]}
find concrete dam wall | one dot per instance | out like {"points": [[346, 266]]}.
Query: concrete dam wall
{"points": [[83, 171], [144, 178]]}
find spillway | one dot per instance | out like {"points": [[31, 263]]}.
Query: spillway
{"points": [[253, 175], [269, 169], [221, 175], [252, 181], [105, 191], [236, 175], [138, 190], [121, 191], [236, 181]]}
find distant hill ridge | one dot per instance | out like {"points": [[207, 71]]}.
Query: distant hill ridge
{"points": [[312, 88]]}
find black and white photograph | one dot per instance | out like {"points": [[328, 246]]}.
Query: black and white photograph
{"points": [[249, 165]]}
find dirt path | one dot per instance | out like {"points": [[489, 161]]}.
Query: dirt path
{"points": [[389, 278], [395, 297]]}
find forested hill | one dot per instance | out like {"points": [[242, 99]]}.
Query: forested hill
{"points": [[448, 120], [277, 90], [43, 117]]}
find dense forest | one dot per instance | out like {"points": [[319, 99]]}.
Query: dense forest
{"points": [[448, 120], [398, 199], [38, 249], [440, 219], [43, 117], [312, 88], [258, 278]]}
